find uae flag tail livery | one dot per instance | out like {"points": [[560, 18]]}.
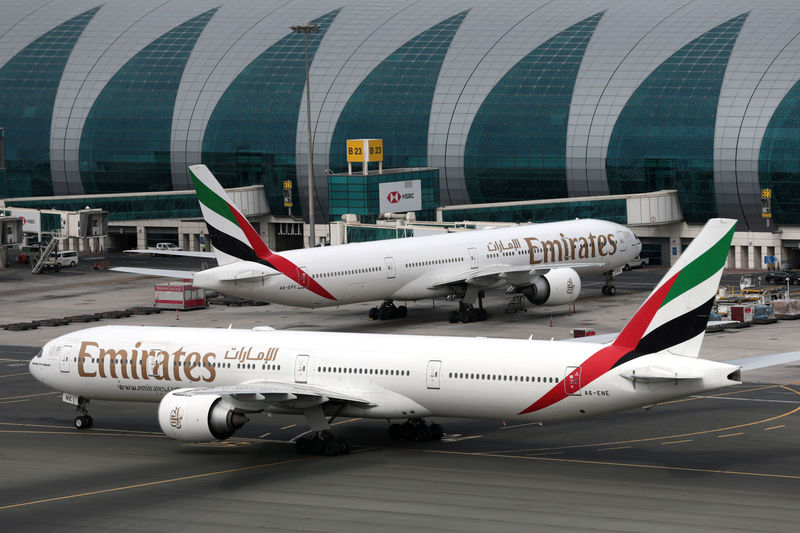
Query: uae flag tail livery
{"points": [[672, 321], [234, 238]]}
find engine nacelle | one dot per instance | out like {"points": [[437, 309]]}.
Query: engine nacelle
{"points": [[200, 418], [559, 286]]}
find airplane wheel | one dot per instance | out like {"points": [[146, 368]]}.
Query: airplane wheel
{"points": [[330, 447], [383, 313], [344, 447], [423, 433], [409, 432], [482, 314], [605, 290], [395, 432], [453, 317], [612, 290], [374, 313], [89, 421], [402, 311], [436, 432], [81, 422]]}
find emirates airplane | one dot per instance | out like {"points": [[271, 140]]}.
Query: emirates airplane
{"points": [[541, 261], [208, 380]]}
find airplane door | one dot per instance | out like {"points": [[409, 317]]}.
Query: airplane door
{"points": [[302, 277], [64, 353], [572, 381], [390, 271], [621, 243], [473, 257], [434, 369], [301, 369]]}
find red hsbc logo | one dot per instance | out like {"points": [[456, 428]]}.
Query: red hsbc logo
{"points": [[393, 197]]}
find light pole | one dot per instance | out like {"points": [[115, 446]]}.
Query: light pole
{"points": [[306, 29]]}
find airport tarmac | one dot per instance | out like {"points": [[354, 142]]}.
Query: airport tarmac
{"points": [[719, 462]]}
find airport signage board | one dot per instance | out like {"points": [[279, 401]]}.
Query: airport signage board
{"points": [[364, 150], [31, 220], [400, 196]]}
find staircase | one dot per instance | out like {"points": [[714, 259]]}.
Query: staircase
{"points": [[44, 256]]}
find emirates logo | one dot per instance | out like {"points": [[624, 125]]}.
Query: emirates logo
{"points": [[176, 418], [570, 286], [393, 197]]}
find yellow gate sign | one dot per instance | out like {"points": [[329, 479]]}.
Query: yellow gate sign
{"points": [[364, 150], [287, 193]]}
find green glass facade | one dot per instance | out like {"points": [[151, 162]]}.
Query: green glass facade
{"points": [[517, 144], [393, 102], [358, 194], [125, 207], [28, 85], [250, 138], [366, 234], [664, 137], [614, 210], [125, 145], [779, 159]]}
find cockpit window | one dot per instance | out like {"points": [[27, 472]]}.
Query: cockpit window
{"points": [[38, 355]]}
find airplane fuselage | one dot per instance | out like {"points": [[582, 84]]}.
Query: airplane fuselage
{"points": [[408, 376], [424, 267]]}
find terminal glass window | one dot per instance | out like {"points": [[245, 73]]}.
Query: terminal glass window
{"points": [[125, 146], [516, 149], [28, 85], [251, 135], [393, 102], [779, 159], [664, 137]]}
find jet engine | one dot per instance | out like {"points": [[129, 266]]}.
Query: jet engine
{"points": [[200, 418], [559, 286]]}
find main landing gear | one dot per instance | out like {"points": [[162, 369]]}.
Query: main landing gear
{"points": [[388, 310], [83, 420], [609, 289], [323, 441], [415, 430], [468, 312]]}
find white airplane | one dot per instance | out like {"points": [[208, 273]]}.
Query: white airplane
{"points": [[541, 261], [208, 380]]}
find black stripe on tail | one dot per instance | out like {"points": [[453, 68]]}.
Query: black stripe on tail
{"points": [[678, 330]]}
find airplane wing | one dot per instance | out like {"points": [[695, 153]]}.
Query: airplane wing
{"points": [[292, 395], [512, 274], [179, 274], [182, 253]]}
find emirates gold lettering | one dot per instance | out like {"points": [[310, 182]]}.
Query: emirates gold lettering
{"points": [[566, 248]]}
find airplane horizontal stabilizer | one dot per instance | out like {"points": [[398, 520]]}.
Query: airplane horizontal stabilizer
{"points": [[763, 361], [182, 253], [179, 274]]}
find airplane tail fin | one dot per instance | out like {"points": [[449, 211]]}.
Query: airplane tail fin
{"points": [[233, 237], [675, 315]]}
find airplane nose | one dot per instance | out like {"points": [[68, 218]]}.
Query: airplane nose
{"points": [[35, 367]]}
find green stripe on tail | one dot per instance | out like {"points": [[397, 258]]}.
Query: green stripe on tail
{"points": [[211, 200]]}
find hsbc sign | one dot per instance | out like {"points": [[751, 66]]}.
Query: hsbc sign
{"points": [[400, 196]]}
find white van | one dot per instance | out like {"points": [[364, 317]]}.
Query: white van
{"points": [[64, 258]]}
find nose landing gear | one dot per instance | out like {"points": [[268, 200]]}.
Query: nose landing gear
{"points": [[83, 420]]}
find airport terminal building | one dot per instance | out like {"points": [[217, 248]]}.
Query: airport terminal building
{"points": [[590, 102]]}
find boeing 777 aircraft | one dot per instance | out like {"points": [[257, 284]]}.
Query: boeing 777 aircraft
{"points": [[208, 380], [541, 261]]}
